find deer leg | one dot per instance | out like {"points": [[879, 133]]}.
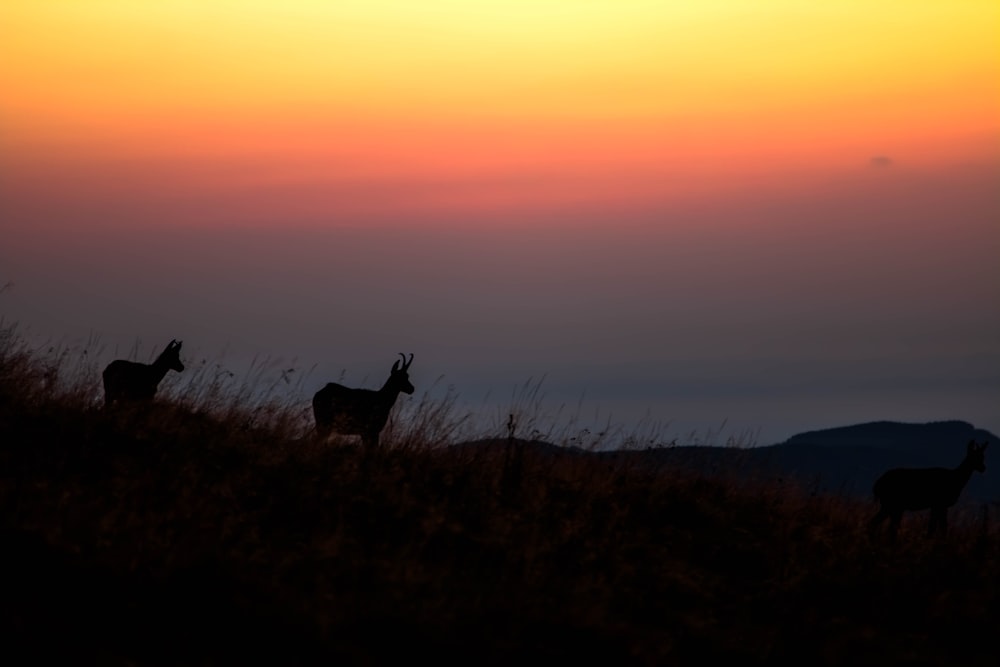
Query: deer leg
{"points": [[894, 520], [322, 432], [876, 521], [938, 522]]}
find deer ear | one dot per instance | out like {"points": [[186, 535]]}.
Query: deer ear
{"points": [[395, 367]]}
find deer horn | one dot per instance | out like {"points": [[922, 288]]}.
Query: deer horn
{"points": [[406, 364]]}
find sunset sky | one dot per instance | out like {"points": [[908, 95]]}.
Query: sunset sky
{"points": [[739, 215]]}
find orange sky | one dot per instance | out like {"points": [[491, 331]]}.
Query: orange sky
{"points": [[772, 202], [479, 103]]}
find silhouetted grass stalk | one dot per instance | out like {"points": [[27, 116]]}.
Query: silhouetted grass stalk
{"points": [[212, 528]]}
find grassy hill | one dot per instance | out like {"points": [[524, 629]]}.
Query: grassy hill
{"points": [[843, 461], [198, 533]]}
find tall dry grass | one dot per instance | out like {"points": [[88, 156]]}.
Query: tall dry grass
{"points": [[212, 528]]}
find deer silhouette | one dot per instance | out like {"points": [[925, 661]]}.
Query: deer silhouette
{"points": [[936, 489], [361, 412], [132, 381]]}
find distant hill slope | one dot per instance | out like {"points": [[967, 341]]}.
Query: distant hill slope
{"points": [[850, 458], [931, 439], [844, 460]]}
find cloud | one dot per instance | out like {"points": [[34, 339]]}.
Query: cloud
{"points": [[880, 162]]}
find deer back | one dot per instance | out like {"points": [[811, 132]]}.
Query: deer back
{"points": [[130, 379], [919, 488], [922, 488], [350, 411]]}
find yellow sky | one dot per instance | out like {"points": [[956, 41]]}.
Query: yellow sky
{"points": [[764, 195], [452, 84]]}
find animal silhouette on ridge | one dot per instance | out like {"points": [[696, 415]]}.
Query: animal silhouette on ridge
{"points": [[936, 489], [364, 412], [133, 381]]}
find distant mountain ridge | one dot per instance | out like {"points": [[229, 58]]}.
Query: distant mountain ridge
{"points": [[928, 438], [844, 460], [851, 458]]}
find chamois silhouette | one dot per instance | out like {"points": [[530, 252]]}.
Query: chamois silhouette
{"points": [[132, 381], [936, 489], [361, 412]]}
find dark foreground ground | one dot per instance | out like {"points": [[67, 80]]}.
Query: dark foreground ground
{"points": [[171, 537]]}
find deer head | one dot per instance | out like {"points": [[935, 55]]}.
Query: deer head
{"points": [[399, 378]]}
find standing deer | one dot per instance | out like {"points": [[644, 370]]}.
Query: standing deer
{"points": [[935, 489], [361, 412], [132, 381]]}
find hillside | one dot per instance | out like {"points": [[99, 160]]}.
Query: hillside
{"points": [[842, 461], [196, 533], [852, 457], [849, 459], [928, 441]]}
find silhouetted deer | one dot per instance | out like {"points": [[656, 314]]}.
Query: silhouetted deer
{"points": [[132, 381], [936, 489], [361, 412]]}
